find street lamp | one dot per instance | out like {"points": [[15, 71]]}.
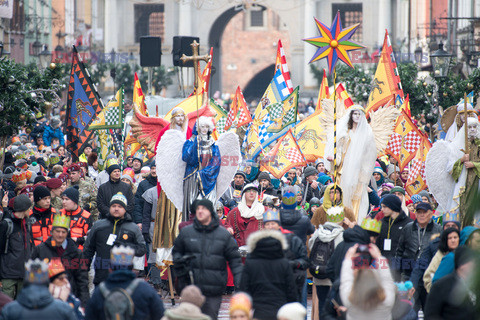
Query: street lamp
{"points": [[440, 62], [45, 58], [37, 48], [1, 49], [113, 71]]}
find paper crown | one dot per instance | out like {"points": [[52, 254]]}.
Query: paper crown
{"points": [[20, 155], [122, 256], [19, 176], [55, 267], [36, 271], [54, 159], [271, 215], [370, 224], [289, 196], [335, 214], [111, 162], [241, 301], [61, 220], [129, 172]]}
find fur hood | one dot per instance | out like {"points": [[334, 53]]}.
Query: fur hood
{"points": [[255, 237]]}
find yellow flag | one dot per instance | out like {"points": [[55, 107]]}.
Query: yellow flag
{"points": [[323, 92], [308, 134]]}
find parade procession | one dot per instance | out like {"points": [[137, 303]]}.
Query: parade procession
{"points": [[239, 159]]}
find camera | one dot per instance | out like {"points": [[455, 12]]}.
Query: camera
{"points": [[364, 259]]}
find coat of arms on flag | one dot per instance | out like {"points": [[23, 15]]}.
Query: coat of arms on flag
{"points": [[111, 116]]}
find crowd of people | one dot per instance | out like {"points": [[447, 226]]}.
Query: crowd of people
{"points": [[76, 243]]}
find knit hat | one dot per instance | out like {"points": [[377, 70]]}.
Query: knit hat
{"points": [[271, 215], [113, 167], [21, 203], [72, 193], [408, 202], [391, 169], [463, 255], [193, 295], [40, 192], [397, 189], [36, 272], [425, 193], [241, 173], [120, 199], [54, 183], [264, 176], [126, 176], [324, 178], [249, 186], [310, 171], [416, 198], [393, 202], [292, 311], [207, 204], [241, 301], [40, 179]]}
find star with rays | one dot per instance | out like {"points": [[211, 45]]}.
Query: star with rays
{"points": [[334, 43]]}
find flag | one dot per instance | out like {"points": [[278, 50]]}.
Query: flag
{"points": [[281, 64], [404, 141], [416, 179], [386, 82], [405, 105], [111, 117], [105, 145], [244, 116], [323, 92], [188, 105], [138, 97], [283, 114], [342, 94], [83, 104], [207, 72], [220, 118], [308, 134], [232, 114], [281, 85], [286, 154], [469, 98]]}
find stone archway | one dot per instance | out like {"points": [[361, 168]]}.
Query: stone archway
{"points": [[258, 84]]}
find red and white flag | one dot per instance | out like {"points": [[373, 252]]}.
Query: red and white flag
{"points": [[281, 63]]}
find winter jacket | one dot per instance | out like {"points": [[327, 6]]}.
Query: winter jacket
{"points": [[212, 247], [329, 312], [146, 300], [4, 300], [108, 190], [298, 222], [269, 191], [242, 227], [50, 133], [311, 192], [383, 311], [422, 264], [41, 222], [102, 178], [36, 302], [233, 192], [75, 266], [411, 244], [432, 267], [350, 238], [267, 275], [20, 243], [447, 265], [396, 228], [127, 233], [185, 311], [146, 184], [150, 198], [297, 256], [449, 299]]}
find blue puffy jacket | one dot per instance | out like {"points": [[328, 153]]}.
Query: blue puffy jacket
{"points": [[36, 302], [447, 265], [50, 133]]}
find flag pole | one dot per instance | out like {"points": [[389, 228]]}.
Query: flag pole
{"points": [[467, 151], [334, 137]]}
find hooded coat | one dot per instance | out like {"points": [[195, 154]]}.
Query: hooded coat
{"points": [[147, 183], [36, 302], [267, 275], [298, 222]]}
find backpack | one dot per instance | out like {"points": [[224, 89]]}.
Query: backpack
{"points": [[319, 256], [7, 235], [118, 303]]}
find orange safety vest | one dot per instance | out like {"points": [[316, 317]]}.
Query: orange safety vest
{"points": [[41, 229], [78, 224]]}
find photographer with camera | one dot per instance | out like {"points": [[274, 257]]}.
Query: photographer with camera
{"points": [[366, 284]]}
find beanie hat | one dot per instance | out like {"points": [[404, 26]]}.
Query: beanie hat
{"points": [[425, 193], [416, 198], [193, 295], [207, 204], [241, 173], [249, 186], [126, 176], [264, 176], [40, 192], [397, 189], [393, 202], [310, 171], [324, 178], [72, 194], [120, 199], [40, 178], [391, 169], [112, 167], [21, 203], [292, 311], [54, 183], [463, 255], [241, 301]]}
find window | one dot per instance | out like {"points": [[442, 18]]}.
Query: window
{"points": [[149, 20], [350, 14], [256, 18]]}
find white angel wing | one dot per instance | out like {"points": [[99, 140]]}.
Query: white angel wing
{"points": [[230, 152], [326, 117], [170, 166], [382, 123], [439, 181]]}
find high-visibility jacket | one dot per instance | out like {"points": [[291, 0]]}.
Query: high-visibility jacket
{"points": [[80, 223], [41, 221]]}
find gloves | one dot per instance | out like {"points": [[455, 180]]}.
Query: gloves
{"points": [[147, 237], [87, 207]]}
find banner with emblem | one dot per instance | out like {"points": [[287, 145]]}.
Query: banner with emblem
{"points": [[220, 118], [286, 154], [283, 113], [111, 116], [416, 179], [308, 134]]}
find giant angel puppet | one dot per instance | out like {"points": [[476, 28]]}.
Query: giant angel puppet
{"points": [[453, 175], [196, 168], [358, 143]]}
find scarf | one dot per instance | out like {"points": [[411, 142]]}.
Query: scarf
{"points": [[256, 210]]}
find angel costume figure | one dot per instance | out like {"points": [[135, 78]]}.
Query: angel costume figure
{"points": [[453, 176], [453, 119], [198, 167], [358, 144]]}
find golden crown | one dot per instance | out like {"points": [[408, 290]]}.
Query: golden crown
{"points": [[373, 225], [61, 220]]}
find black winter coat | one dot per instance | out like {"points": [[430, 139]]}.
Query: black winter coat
{"points": [[76, 268], [127, 234], [36, 302], [395, 231], [412, 243], [107, 190], [12, 264], [212, 247], [267, 276], [311, 192], [350, 238], [148, 304], [298, 222], [422, 264], [143, 186], [297, 256]]}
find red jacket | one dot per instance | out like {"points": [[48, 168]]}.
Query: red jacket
{"points": [[242, 227]]}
